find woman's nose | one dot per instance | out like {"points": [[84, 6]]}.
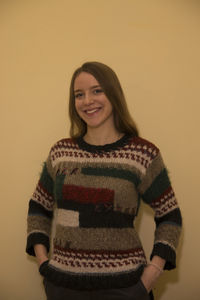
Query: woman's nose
{"points": [[88, 99]]}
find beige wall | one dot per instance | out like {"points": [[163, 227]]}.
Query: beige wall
{"points": [[154, 46]]}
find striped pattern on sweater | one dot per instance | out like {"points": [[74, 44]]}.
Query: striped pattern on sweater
{"points": [[97, 191]]}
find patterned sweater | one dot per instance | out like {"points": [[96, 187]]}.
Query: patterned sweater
{"points": [[93, 193]]}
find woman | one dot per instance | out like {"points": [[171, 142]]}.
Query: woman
{"points": [[95, 180]]}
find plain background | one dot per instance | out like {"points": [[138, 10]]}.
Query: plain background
{"points": [[154, 47]]}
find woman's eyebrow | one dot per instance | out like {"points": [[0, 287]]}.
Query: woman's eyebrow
{"points": [[95, 86], [75, 91], [92, 87]]}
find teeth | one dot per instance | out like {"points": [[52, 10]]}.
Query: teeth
{"points": [[91, 111]]}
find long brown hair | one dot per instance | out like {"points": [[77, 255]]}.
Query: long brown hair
{"points": [[112, 88]]}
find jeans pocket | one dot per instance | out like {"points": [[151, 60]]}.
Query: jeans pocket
{"points": [[143, 287], [50, 290], [139, 292]]}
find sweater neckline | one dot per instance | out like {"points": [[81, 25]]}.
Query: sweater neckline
{"points": [[102, 148]]}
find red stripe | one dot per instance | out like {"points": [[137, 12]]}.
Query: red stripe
{"points": [[87, 195]]}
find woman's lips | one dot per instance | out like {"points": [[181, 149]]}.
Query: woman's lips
{"points": [[91, 112]]}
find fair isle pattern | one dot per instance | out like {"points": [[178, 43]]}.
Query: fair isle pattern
{"points": [[42, 197], [166, 203], [97, 262], [97, 191], [138, 155]]}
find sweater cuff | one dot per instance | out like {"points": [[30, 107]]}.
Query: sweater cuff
{"points": [[36, 238], [167, 253], [43, 266]]}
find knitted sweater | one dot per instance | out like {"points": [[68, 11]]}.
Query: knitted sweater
{"points": [[94, 193]]}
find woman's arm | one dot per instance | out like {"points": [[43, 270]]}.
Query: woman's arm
{"points": [[40, 212], [40, 253], [152, 272], [156, 191]]}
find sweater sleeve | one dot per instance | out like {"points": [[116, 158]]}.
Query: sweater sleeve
{"points": [[156, 190], [40, 212]]}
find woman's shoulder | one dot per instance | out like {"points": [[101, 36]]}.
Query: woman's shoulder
{"points": [[64, 143], [143, 145], [138, 140]]}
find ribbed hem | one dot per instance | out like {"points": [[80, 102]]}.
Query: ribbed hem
{"points": [[43, 266], [36, 238], [167, 253], [90, 281]]}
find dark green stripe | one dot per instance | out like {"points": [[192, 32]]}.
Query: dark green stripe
{"points": [[58, 190], [112, 172], [46, 181], [157, 188]]}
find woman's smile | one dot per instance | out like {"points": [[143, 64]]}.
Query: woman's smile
{"points": [[92, 105], [92, 112]]}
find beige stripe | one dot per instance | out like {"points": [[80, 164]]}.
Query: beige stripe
{"points": [[70, 165], [97, 238], [68, 218], [89, 158]]}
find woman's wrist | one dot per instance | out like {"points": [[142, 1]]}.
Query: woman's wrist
{"points": [[41, 253], [160, 269], [41, 260], [158, 262]]}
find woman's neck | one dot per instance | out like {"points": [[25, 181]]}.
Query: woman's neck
{"points": [[98, 137]]}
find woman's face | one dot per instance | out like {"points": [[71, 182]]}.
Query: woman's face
{"points": [[91, 103]]}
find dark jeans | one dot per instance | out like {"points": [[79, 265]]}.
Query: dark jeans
{"points": [[136, 292]]}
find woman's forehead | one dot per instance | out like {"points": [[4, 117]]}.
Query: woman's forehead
{"points": [[85, 80]]}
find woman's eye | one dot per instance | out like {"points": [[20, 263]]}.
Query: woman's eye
{"points": [[79, 95], [98, 91]]}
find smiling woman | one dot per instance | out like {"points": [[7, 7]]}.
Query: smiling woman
{"points": [[96, 179], [93, 107], [99, 80]]}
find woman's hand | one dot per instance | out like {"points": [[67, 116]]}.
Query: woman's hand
{"points": [[152, 272], [40, 253]]}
